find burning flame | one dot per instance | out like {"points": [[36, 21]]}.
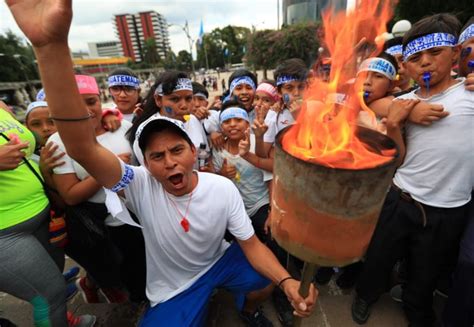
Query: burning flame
{"points": [[326, 125]]}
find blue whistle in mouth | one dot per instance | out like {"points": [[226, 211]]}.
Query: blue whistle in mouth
{"points": [[426, 79], [286, 98], [470, 66], [366, 95]]}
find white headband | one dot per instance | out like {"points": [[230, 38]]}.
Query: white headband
{"points": [[427, 42], [241, 80], [395, 50], [182, 84], [32, 106], [466, 34], [378, 65]]}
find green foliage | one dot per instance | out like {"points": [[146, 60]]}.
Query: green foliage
{"points": [[150, 54], [269, 47], [215, 43], [415, 10], [17, 59]]}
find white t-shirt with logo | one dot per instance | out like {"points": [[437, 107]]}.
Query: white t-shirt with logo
{"points": [[276, 122], [439, 164], [176, 259], [115, 142]]}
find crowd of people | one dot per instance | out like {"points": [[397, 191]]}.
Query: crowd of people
{"points": [[167, 198]]}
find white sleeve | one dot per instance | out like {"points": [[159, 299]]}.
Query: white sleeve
{"points": [[67, 167], [211, 123], [270, 121], [238, 223]]}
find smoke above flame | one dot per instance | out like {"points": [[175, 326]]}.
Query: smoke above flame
{"points": [[325, 132]]}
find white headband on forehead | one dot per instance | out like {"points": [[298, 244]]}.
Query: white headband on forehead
{"points": [[233, 112], [378, 65], [395, 50], [32, 106], [123, 80], [136, 146], [241, 80], [466, 34], [428, 41], [182, 84]]}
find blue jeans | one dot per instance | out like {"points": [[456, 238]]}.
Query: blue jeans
{"points": [[232, 272]]}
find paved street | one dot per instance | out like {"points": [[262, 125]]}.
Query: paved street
{"points": [[333, 309]]}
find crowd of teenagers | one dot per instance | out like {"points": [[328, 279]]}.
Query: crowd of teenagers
{"points": [[165, 199]]}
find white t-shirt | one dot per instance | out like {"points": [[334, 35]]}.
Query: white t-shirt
{"points": [[276, 122], [252, 186], [176, 259], [439, 164], [128, 117], [116, 142]]}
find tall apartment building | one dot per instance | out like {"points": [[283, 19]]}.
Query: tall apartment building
{"points": [[134, 29], [296, 11], [105, 49]]}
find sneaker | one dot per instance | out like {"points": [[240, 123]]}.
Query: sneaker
{"points": [[80, 321], [256, 319], [360, 310], [323, 275], [71, 274], [283, 308], [396, 293], [114, 295], [71, 291], [89, 294]]}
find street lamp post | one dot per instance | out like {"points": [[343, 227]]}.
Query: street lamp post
{"points": [[185, 29]]}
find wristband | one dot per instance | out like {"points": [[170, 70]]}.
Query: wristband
{"points": [[283, 280]]}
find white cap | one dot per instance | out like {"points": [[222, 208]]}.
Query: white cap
{"points": [[401, 27]]}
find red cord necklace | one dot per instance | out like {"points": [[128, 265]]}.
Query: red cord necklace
{"points": [[184, 221]]}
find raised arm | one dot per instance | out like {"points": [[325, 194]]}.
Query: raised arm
{"points": [[46, 24]]}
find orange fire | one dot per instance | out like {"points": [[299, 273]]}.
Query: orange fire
{"points": [[326, 125]]}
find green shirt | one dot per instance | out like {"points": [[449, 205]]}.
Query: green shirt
{"points": [[21, 193]]}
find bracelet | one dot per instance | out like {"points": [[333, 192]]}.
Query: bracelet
{"points": [[284, 279], [71, 119]]}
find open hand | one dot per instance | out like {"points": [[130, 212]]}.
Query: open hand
{"points": [[43, 21], [49, 161], [426, 113], [11, 154]]}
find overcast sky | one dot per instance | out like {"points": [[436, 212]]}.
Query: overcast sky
{"points": [[92, 20]]}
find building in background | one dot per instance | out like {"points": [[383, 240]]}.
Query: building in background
{"points": [[91, 66], [105, 49], [297, 11], [135, 31]]}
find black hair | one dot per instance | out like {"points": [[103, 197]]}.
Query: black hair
{"points": [[232, 103], [438, 23], [168, 80], [123, 71], [390, 59], [241, 73], [392, 42], [292, 67], [199, 88]]}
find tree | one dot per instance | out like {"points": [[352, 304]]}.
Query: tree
{"points": [[150, 53], [183, 61], [232, 38], [415, 10], [17, 59], [269, 47]]}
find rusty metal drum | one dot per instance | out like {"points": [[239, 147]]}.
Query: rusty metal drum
{"points": [[326, 216]]}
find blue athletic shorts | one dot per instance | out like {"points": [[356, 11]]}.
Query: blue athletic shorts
{"points": [[232, 272]]}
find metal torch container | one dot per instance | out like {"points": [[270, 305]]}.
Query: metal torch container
{"points": [[326, 216]]}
